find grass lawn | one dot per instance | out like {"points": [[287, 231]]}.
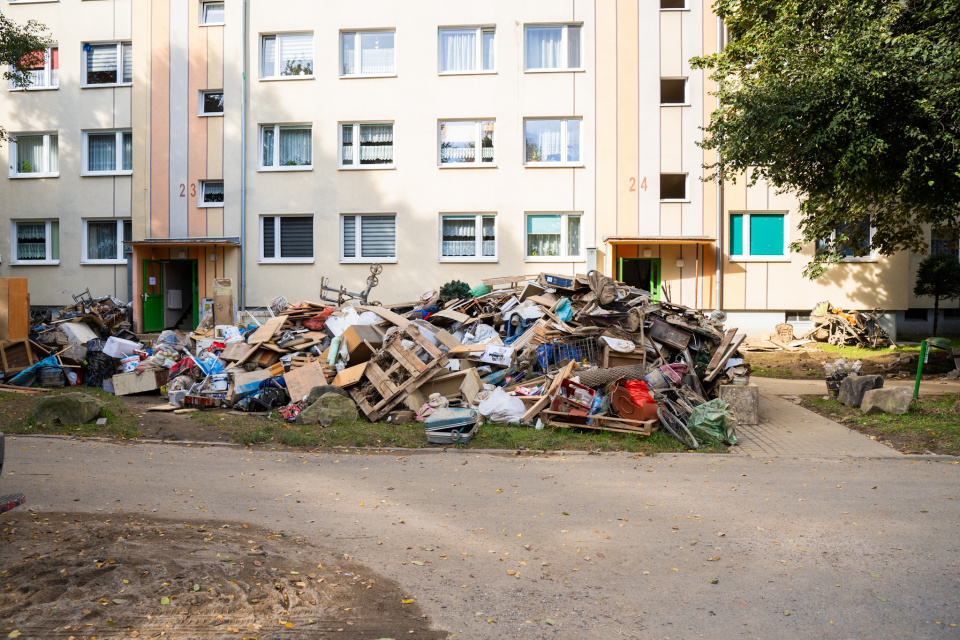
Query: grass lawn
{"points": [[857, 353], [17, 408], [932, 425]]}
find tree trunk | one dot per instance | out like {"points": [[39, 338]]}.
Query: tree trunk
{"points": [[936, 314]]}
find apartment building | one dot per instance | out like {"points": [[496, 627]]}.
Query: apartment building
{"points": [[281, 144]]}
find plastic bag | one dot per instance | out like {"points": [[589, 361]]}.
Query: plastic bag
{"points": [[713, 421], [502, 408], [316, 322], [564, 311], [481, 290], [639, 394]]}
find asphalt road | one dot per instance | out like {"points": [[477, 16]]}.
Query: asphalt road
{"points": [[577, 546]]}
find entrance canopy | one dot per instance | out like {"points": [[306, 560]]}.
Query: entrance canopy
{"points": [[170, 242], [615, 240]]}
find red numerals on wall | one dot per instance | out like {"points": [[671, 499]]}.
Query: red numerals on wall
{"points": [[193, 190], [633, 184]]}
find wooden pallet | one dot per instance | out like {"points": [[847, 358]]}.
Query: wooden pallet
{"points": [[600, 423], [395, 372]]}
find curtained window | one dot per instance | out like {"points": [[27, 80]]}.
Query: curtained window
{"points": [[108, 152], [368, 237], [36, 241], [211, 193], [212, 13], [286, 239], [37, 155], [554, 141], [102, 240], [467, 49], [367, 53], [366, 144], [465, 142], [468, 237], [552, 47], [42, 70], [553, 235], [108, 63], [211, 103], [286, 55], [286, 146]]}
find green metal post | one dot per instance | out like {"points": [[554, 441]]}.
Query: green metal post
{"points": [[923, 356]]}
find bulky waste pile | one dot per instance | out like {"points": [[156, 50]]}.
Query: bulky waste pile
{"points": [[583, 352]]}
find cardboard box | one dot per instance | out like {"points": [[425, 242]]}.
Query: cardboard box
{"points": [[497, 354], [350, 376], [223, 301], [245, 384], [119, 348], [125, 384], [359, 340]]}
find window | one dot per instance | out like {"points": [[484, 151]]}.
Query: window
{"points": [[35, 241], [286, 239], [673, 91], [366, 145], [42, 70], [286, 147], [368, 237], [108, 63], [945, 241], [102, 241], [34, 155], [553, 235], [468, 49], [758, 235], [915, 314], [211, 13], [856, 243], [211, 193], [107, 152], [367, 53], [673, 4], [673, 186], [471, 237], [294, 58], [551, 142], [459, 140], [211, 103], [553, 47]]}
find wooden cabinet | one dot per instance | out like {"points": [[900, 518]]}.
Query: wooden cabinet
{"points": [[14, 309]]}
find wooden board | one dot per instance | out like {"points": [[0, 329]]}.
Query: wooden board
{"points": [[16, 356], [551, 390], [14, 309], [302, 379], [236, 351], [727, 338], [349, 376], [600, 423], [269, 329]]}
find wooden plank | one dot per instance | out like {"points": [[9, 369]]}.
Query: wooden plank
{"points": [[468, 349], [727, 337], [269, 329], [236, 351], [544, 402], [302, 379], [603, 423], [724, 357], [408, 360], [384, 386], [388, 315], [350, 376]]}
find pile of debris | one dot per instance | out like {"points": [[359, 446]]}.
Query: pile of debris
{"points": [[582, 352]]}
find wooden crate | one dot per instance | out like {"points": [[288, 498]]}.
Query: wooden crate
{"points": [[16, 356], [600, 423]]}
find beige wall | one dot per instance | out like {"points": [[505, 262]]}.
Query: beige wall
{"points": [[68, 111]]}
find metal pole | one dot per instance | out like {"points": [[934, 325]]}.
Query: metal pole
{"points": [[923, 356]]}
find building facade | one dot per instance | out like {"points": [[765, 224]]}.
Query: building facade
{"points": [[167, 143]]}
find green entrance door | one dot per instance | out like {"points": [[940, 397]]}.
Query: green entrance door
{"points": [[152, 296], [643, 273]]}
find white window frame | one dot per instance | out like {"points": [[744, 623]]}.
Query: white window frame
{"points": [[478, 163], [686, 186], [564, 43], [356, 47], [51, 80], [686, 87], [564, 234], [479, 257], [203, 14], [200, 102], [277, 259], [200, 191], [870, 257], [48, 237], [277, 76], [276, 147], [357, 166], [120, 259], [119, 159], [359, 237], [120, 70], [480, 30], [563, 144], [14, 165], [745, 242]]}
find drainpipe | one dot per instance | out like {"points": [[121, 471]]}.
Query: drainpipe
{"points": [[243, 156], [719, 276]]}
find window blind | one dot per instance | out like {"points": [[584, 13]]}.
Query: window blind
{"points": [[213, 12], [268, 57], [349, 236], [269, 237], [378, 237], [296, 54], [296, 236], [127, 62], [101, 63]]}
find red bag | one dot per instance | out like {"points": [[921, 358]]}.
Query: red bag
{"points": [[316, 322], [639, 392]]}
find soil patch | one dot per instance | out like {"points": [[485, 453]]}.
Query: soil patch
{"points": [[807, 364], [81, 575]]}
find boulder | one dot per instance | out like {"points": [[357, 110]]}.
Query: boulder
{"points": [[68, 408], [895, 400], [330, 408], [318, 392], [853, 387]]}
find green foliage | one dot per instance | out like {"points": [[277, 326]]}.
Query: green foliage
{"points": [[852, 105], [938, 277], [454, 290], [17, 42]]}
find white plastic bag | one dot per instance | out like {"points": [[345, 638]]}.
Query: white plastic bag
{"points": [[502, 408]]}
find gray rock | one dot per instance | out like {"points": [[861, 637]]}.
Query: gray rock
{"points": [[318, 392], [68, 408], [853, 387], [330, 408], [953, 375], [895, 400]]}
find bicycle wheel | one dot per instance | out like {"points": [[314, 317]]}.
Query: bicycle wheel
{"points": [[675, 427]]}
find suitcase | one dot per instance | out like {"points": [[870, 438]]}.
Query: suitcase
{"points": [[452, 426]]}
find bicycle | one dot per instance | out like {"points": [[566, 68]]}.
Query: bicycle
{"points": [[673, 417]]}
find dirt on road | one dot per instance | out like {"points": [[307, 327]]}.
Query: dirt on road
{"points": [[77, 575]]}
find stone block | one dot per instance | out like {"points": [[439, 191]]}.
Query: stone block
{"points": [[853, 387], [68, 408], [331, 407], [744, 401], [895, 400]]}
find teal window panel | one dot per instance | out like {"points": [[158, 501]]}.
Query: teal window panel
{"points": [[736, 234], [766, 234]]}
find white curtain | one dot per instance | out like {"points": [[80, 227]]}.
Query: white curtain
{"points": [[213, 12], [101, 151], [542, 140], [268, 57], [213, 191], [573, 235], [346, 144], [376, 144], [127, 152], [573, 140], [543, 235], [489, 236], [101, 63], [376, 53], [295, 146], [458, 142], [102, 240], [267, 147], [54, 155], [348, 54], [296, 55], [458, 50], [31, 241], [543, 47], [459, 237], [30, 154], [573, 47], [488, 49]]}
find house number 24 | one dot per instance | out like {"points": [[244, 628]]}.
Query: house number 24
{"points": [[633, 184]]}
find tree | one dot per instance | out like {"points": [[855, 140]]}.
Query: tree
{"points": [[853, 106], [20, 47], [938, 277]]}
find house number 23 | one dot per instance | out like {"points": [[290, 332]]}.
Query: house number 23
{"points": [[193, 190]]}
